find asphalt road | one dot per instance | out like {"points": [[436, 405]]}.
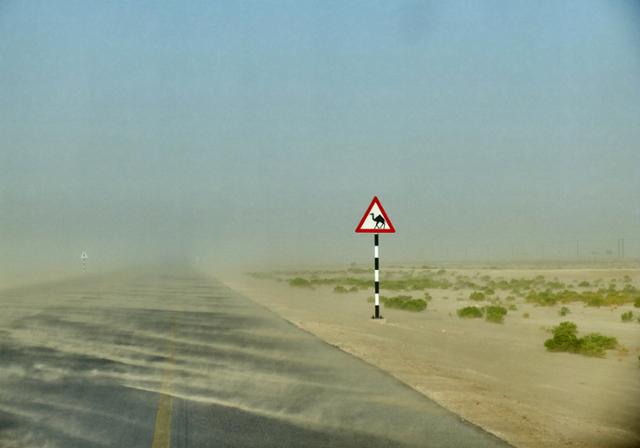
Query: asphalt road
{"points": [[174, 359]]}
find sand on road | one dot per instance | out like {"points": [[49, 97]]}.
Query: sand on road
{"points": [[174, 359]]}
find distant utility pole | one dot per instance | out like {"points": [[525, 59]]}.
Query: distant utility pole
{"points": [[578, 248], [619, 252], [620, 247]]}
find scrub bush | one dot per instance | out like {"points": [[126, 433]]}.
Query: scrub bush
{"points": [[477, 296], [595, 344], [300, 282], [405, 303], [627, 317], [600, 297], [469, 312], [564, 311], [494, 313], [565, 339]]}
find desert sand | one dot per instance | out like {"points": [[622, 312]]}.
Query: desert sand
{"points": [[498, 376]]}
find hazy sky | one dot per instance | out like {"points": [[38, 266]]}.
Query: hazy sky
{"points": [[260, 130]]}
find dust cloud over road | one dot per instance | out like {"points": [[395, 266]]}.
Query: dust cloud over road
{"points": [[172, 358]]}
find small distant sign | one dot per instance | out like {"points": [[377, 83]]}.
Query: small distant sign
{"points": [[375, 219], [84, 256]]}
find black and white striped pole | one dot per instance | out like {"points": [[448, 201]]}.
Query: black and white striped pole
{"points": [[376, 221], [376, 277]]}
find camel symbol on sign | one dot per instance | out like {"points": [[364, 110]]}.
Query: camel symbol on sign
{"points": [[380, 222]]}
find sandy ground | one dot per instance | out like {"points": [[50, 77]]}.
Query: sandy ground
{"points": [[498, 376]]}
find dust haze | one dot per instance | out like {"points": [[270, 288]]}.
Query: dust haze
{"points": [[210, 138], [253, 134]]}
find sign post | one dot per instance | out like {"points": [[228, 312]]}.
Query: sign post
{"points": [[376, 221]]}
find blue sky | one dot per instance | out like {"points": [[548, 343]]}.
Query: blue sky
{"points": [[261, 130]]}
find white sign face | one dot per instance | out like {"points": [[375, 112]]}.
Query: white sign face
{"points": [[374, 219], [84, 256]]}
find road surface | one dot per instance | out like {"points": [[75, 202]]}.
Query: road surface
{"points": [[171, 358]]}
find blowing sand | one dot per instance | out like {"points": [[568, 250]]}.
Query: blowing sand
{"points": [[498, 376]]}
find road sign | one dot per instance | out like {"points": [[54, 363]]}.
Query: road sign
{"points": [[375, 219], [84, 255]]}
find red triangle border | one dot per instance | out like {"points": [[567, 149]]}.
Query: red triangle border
{"points": [[389, 229]]}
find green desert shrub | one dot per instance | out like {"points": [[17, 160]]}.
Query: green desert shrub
{"points": [[584, 284], [405, 303], [600, 297], [525, 315], [300, 282], [565, 339], [512, 307], [417, 283], [636, 302], [593, 298], [546, 297], [564, 311], [469, 312], [627, 317], [595, 344], [477, 296], [495, 313], [555, 284]]}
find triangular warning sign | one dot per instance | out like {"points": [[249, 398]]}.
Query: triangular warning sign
{"points": [[375, 219]]}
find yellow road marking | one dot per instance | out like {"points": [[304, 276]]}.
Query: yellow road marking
{"points": [[162, 431]]}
